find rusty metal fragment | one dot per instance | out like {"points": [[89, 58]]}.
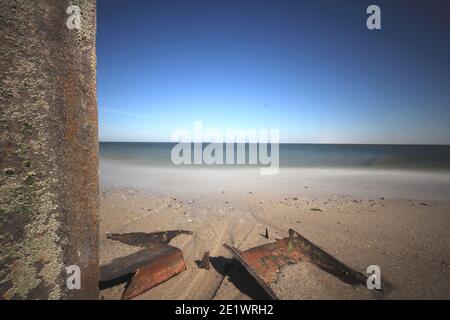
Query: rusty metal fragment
{"points": [[251, 269], [204, 263], [326, 261], [150, 267], [156, 272], [147, 240], [129, 264], [264, 262]]}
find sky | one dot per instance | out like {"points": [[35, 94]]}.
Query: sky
{"points": [[311, 69]]}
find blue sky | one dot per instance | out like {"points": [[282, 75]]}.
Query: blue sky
{"points": [[308, 68]]}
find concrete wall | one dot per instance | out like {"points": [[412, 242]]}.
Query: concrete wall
{"points": [[48, 150]]}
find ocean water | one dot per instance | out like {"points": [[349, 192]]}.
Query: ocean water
{"points": [[398, 157]]}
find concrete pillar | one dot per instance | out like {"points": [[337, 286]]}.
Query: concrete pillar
{"points": [[48, 150]]}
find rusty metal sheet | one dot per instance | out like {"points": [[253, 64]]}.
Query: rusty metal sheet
{"points": [[155, 272], [251, 268], [266, 262], [324, 260], [129, 264], [147, 240]]}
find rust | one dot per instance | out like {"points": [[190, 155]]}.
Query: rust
{"points": [[326, 261], [250, 268], [157, 271], [204, 263], [147, 240], [264, 262], [129, 264], [149, 268]]}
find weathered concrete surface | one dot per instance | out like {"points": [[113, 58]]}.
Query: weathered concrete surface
{"points": [[49, 150]]}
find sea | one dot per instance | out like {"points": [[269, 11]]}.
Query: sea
{"points": [[358, 156]]}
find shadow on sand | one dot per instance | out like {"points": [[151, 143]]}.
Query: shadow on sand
{"points": [[239, 277]]}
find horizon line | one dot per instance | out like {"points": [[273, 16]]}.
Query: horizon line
{"points": [[302, 143]]}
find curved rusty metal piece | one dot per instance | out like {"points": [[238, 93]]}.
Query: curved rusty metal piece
{"points": [[266, 261], [252, 266], [324, 260], [149, 266], [167, 265]]}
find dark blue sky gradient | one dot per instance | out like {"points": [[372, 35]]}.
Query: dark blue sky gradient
{"points": [[309, 68]]}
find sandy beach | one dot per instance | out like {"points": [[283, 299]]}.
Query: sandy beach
{"points": [[396, 220]]}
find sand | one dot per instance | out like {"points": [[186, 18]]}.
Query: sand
{"points": [[398, 220]]}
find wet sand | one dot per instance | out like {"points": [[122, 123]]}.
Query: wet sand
{"points": [[407, 238]]}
